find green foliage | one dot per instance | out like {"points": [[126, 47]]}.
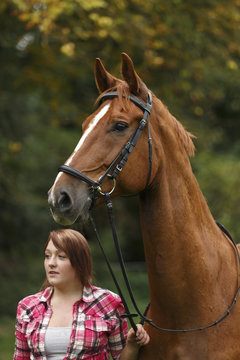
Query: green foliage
{"points": [[7, 328], [187, 53], [219, 180]]}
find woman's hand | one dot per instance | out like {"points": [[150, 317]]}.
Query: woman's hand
{"points": [[134, 341], [141, 337]]}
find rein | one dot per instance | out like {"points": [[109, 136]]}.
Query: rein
{"points": [[111, 172]]}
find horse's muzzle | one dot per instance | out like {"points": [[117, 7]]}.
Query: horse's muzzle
{"points": [[68, 204]]}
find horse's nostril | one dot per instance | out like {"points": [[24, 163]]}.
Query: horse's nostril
{"points": [[64, 201]]}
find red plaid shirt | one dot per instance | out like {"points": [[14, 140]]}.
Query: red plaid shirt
{"points": [[97, 328]]}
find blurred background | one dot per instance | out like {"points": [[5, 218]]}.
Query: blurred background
{"points": [[187, 52]]}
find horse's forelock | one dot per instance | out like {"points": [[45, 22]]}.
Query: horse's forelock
{"points": [[123, 91], [123, 95]]}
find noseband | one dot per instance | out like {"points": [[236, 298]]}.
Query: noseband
{"points": [[118, 163]]}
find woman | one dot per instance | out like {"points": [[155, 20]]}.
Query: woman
{"points": [[70, 318]]}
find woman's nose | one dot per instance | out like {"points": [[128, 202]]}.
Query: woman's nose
{"points": [[52, 261]]}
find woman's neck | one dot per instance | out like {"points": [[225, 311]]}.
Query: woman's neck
{"points": [[68, 293], [62, 302]]}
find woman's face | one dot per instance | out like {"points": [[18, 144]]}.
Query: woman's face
{"points": [[59, 270]]}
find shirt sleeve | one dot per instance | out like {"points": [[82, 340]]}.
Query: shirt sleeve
{"points": [[118, 336], [22, 351]]}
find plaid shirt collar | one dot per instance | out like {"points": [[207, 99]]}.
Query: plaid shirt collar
{"points": [[87, 295]]}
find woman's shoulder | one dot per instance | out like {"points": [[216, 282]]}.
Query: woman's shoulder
{"points": [[106, 302], [101, 292], [33, 306], [33, 300]]}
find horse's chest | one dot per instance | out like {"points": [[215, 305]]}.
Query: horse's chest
{"points": [[173, 353], [189, 353]]}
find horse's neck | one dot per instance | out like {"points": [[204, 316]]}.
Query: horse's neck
{"points": [[179, 236]]}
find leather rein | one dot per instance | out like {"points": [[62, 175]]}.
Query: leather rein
{"points": [[95, 186]]}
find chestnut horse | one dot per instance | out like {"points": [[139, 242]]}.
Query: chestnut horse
{"points": [[192, 265]]}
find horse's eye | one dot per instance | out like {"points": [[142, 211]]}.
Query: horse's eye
{"points": [[119, 127]]}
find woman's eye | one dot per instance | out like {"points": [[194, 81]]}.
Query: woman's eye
{"points": [[62, 256], [119, 127], [46, 256]]}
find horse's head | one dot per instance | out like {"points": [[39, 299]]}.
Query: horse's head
{"points": [[122, 106], [105, 133]]}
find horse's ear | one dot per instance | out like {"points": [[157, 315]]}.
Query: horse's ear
{"points": [[104, 80], [136, 85]]}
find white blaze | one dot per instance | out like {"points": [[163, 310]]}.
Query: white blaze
{"points": [[91, 126]]}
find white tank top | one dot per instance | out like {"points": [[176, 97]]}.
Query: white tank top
{"points": [[57, 340]]}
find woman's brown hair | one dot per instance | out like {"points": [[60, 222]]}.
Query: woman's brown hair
{"points": [[76, 247]]}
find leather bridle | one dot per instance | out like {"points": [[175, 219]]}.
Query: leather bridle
{"points": [[118, 163]]}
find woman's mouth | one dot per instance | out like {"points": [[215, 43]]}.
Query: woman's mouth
{"points": [[52, 273]]}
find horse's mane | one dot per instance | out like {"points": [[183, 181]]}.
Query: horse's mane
{"points": [[182, 134]]}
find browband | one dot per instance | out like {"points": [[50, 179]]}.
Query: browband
{"points": [[145, 107]]}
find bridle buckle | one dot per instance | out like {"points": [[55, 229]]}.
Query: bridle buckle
{"points": [[119, 168], [108, 192]]}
